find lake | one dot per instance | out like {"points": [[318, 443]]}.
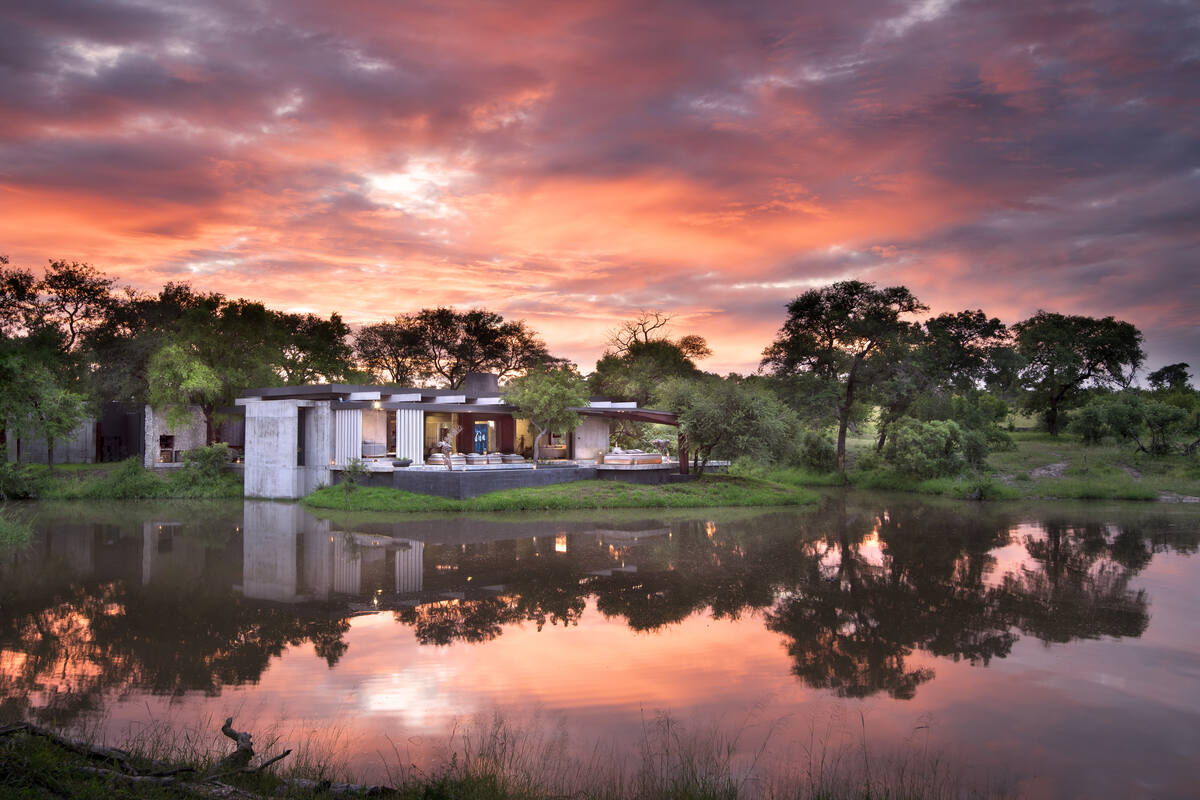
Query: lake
{"points": [[1049, 651]]}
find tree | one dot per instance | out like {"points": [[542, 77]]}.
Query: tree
{"points": [[729, 417], [1065, 354], [390, 352], [546, 398], [842, 333], [444, 345], [1170, 377], [313, 349], [178, 379]]}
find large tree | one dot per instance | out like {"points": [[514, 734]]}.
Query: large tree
{"points": [[842, 333], [443, 345], [641, 356], [950, 354], [1063, 355]]}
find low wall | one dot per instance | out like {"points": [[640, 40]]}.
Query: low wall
{"points": [[461, 484]]}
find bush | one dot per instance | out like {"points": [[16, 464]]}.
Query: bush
{"points": [[1089, 423], [16, 482], [817, 452], [925, 449], [208, 461], [975, 448]]}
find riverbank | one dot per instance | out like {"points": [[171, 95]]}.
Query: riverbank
{"points": [[706, 492], [494, 762], [1040, 467], [123, 480]]}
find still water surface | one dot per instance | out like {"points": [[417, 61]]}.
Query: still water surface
{"points": [[1053, 649]]}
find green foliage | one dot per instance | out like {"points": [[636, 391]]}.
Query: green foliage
{"points": [[925, 449], [208, 461], [844, 333], [1065, 354], [636, 372], [816, 452], [177, 379], [545, 397], [443, 345], [729, 418], [1151, 424], [129, 480], [16, 482], [353, 474], [1170, 377]]}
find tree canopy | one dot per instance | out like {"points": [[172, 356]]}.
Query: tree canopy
{"points": [[842, 334], [545, 397], [1063, 355], [444, 345]]}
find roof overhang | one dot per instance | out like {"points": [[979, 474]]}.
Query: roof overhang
{"points": [[636, 414]]}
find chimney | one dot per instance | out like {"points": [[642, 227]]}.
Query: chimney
{"points": [[476, 384]]}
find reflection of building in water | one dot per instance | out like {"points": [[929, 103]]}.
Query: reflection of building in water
{"points": [[290, 556]]}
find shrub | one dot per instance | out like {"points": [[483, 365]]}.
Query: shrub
{"points": [[817, 452], [208, 461], [975, 448], [925, 449], [1089, 423], [16, 482]]}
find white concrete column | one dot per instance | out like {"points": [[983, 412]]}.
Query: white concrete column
{"points": [[347, 443], [410, 434]]}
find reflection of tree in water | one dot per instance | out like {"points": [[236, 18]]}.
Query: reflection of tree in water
{"points": [[70, 646], [1080, 586], [855, 591]]}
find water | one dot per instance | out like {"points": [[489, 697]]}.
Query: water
{"points": [[1053, 650]]}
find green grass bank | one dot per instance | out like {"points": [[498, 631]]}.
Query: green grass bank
{"points": [[705, 492], [125, 480], [1040, 467]]}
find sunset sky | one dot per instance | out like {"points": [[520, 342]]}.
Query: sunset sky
{"points": [[571, 163]]}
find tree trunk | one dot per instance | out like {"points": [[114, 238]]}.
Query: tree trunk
{"points": [[50, 453], [844, 417], [210, 430], [536, 449], [683, 455]]}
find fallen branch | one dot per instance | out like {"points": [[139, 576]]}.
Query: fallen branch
{"points": [[166, 780], [96, 752], [240, 757]]}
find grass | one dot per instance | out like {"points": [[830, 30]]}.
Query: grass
{"points": [[1039, 467], [490, 758], [705, 492], [129, 480]]}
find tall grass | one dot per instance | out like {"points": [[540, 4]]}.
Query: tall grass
{"points": [[129, 480], [491, 757]]}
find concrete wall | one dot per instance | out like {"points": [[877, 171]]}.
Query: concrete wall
{"points": [[79, 447], [272, 431], [188, 436], [461, 484], [591, 437]]}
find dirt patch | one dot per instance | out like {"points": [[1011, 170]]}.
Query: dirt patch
{"points": [[1049, 471], [1131, 472]]}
